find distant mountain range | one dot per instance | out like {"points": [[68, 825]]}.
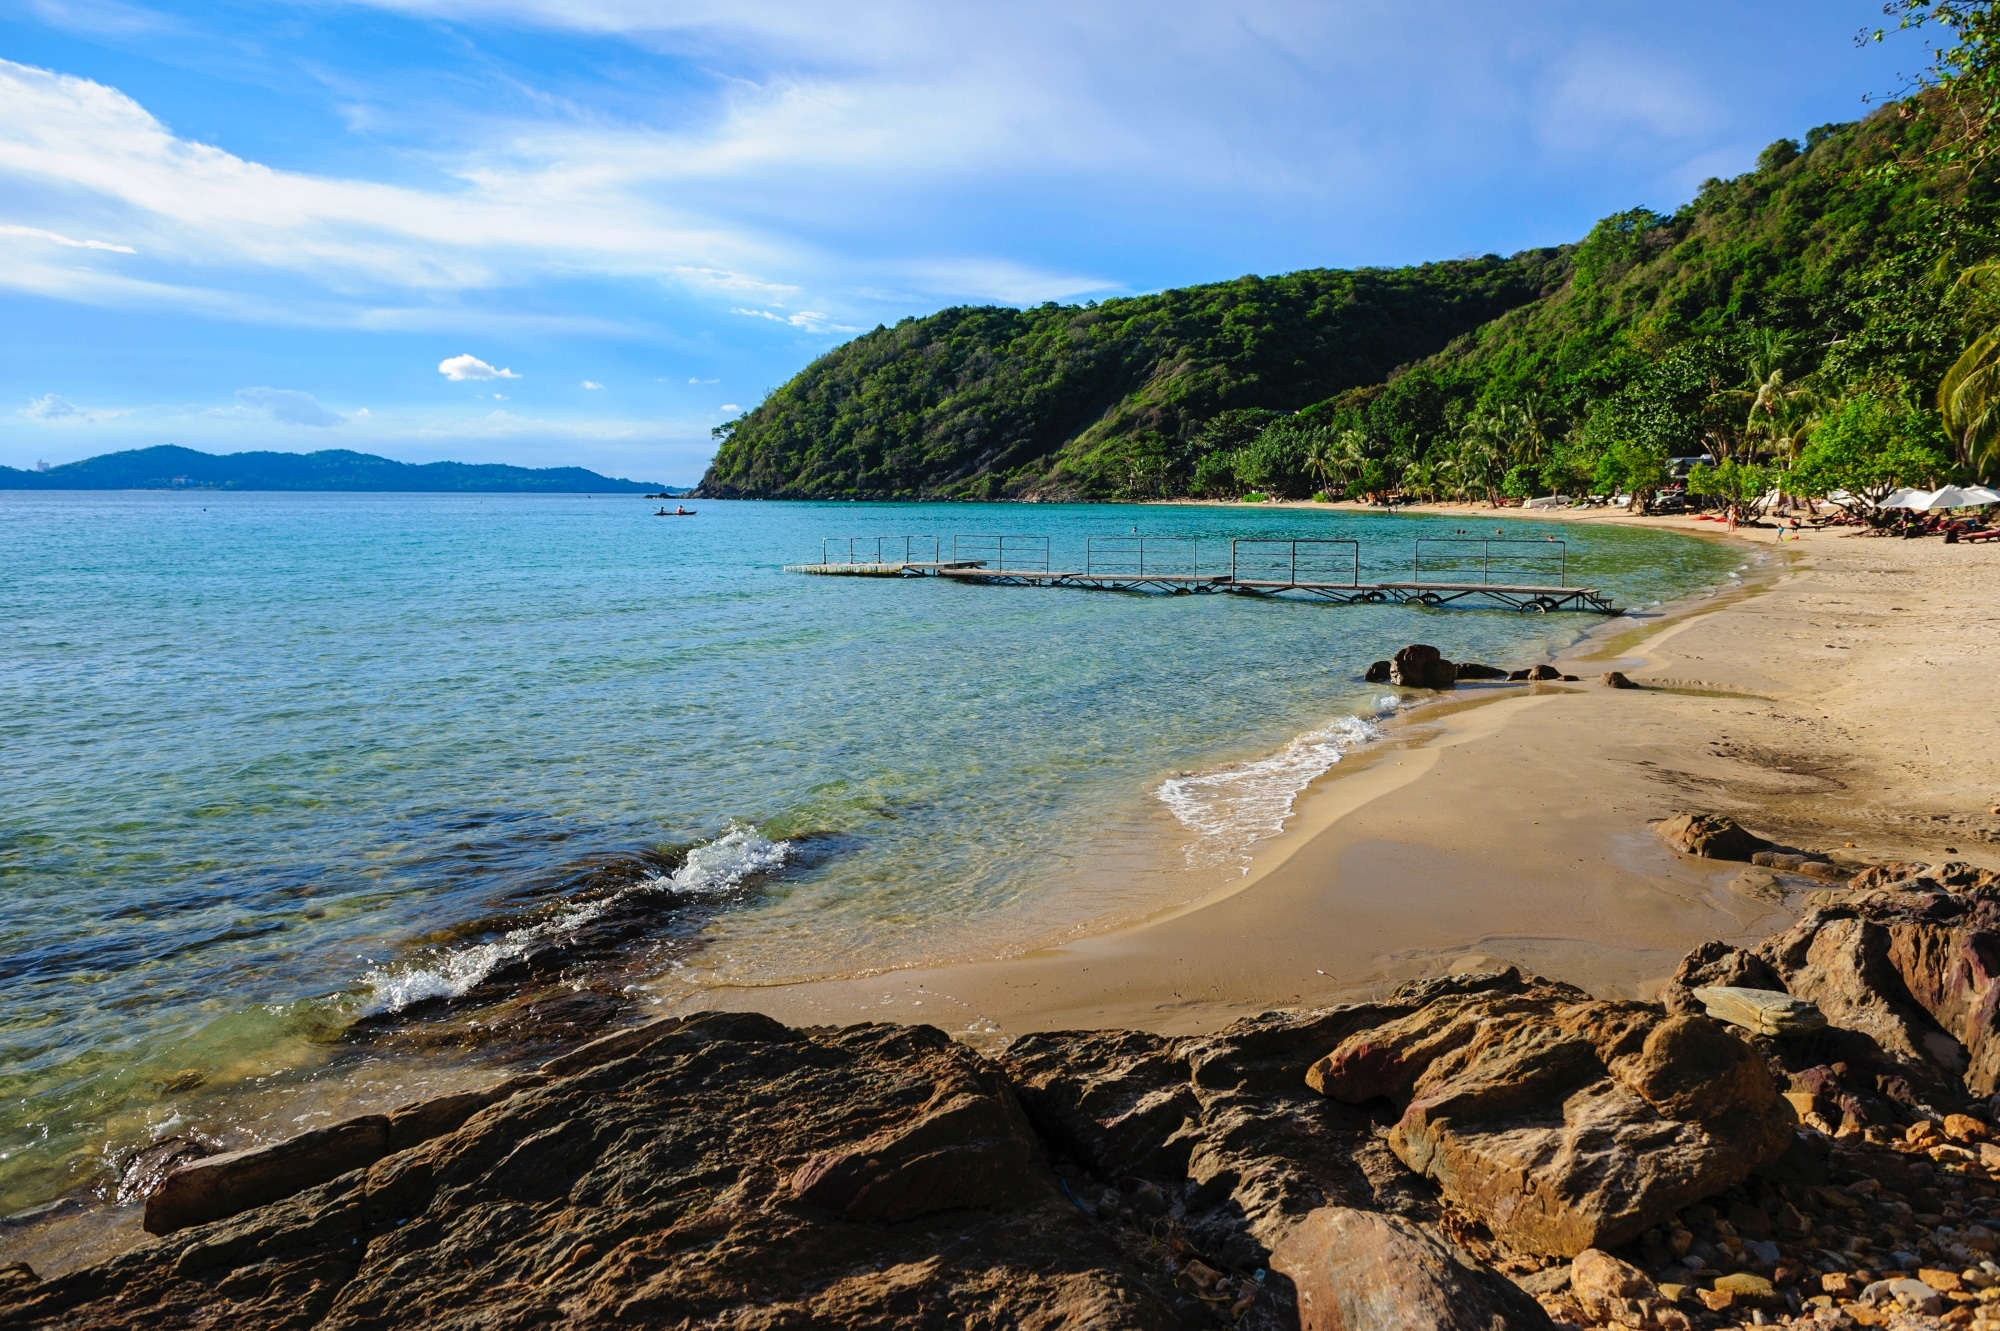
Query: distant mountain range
{"points": [[169, 467]]}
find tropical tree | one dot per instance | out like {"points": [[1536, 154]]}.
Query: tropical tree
{"points": [[1968, 398], [1867, 447]]}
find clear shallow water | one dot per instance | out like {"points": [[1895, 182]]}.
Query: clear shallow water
{"points": [[260, 747]]}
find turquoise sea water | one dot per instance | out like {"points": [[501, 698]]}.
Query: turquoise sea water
{"points": [[260, 749]]}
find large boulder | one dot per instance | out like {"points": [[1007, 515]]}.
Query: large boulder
{"points": [[1710, 836], [1361, 1271], [1564, 1122], [1915, 973], [1421, 666]]}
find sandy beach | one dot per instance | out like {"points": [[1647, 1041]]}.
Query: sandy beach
{"points": [[1841, 699]]}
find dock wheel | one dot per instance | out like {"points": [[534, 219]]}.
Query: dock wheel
{"points": [[1431, 599], [1375, 598], [1541, 605]]}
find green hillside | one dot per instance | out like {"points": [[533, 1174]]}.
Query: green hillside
{"points": [[1795, 319], [1095, 400]]}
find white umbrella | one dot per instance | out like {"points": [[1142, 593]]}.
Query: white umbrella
{"points": [[1961, 496], [1907, 498]]}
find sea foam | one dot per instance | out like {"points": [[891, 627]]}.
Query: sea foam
{"points": [[1233, 808], [712, 869]]}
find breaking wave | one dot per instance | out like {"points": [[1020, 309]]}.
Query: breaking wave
{"points": [[712, 869], [1234, 808]]}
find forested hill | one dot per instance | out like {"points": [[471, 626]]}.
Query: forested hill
{"points": [[1819, 289], [171, 467], [1095, 400]]}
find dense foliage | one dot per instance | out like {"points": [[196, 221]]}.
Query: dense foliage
{"points": [[1832, 290], [1099, 400], [171, 467]]}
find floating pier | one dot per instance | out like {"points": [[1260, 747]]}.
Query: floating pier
{"points": [[1312, 569]]}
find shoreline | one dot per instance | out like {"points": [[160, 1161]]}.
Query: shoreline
{"points": [[1502, 824], [1546, 859]]}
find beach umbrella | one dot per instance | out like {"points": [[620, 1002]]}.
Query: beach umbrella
{"points": [[1907, 498], [1961, 496]]}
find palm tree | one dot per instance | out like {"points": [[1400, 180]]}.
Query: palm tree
{"points": [[1322, 458], [1969, 396]]}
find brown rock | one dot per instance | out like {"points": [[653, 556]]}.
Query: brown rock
{"points": [[1361, 1271], [1913, 974], [656, 1189], [1376, 673], [1710, 836], [1564, 1123], [1882, 875], [1420, 666], [15, 1276], [970, 1146], [1747, 1288], [142, 1173], [1615, 679], [1609, 1290], [225, 1185], [1541, 672], [1474, 670], [1965, 1128]]}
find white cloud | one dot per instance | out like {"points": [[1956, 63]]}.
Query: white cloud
{"points": [[704, 381], [592, 384], [810, 320], [471, 367], [731, 406], [57, 238], [289, 406], [49, 407]]}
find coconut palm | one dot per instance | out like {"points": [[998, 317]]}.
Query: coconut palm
{"points": [[1969, 396]]}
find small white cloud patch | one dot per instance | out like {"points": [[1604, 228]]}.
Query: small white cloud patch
{"points": [[290, 406], [812, 321], [471, 367], [49, 407], [592, 384], [704, 381], [731, 406], [56, 237]]}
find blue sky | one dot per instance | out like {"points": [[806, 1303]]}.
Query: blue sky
{"points": [[584, 232]]}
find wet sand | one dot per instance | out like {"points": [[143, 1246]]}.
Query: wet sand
{"points": [[1845, 698]]}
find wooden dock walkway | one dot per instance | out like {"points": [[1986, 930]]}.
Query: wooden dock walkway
{"points": [[1252, 577]]}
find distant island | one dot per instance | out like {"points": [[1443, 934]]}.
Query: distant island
{"points": [[170, 467]]}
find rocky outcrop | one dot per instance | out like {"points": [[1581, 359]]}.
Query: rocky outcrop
{"points": [[1374, 1164], [728, 1170], [1710, 836], [1474, 670], [1565, 1123], [1912, 972], [1361, 1271], [199, 1189], [1420, 666]]}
